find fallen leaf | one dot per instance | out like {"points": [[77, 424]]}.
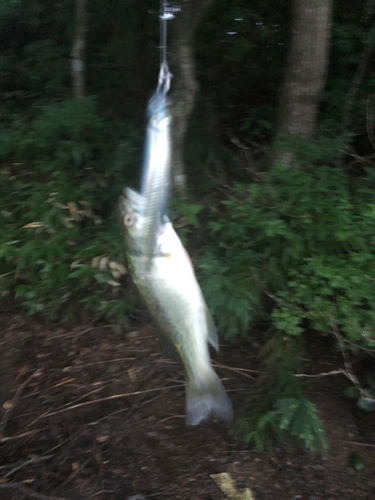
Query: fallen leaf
{"points": [[75, 465], [101, 439], [103, 263], [117, 269], [67, 223], [132, 372], [113, 283], [95, 261], [228, 487], [22, 372], [73, 210], [64, 381], [33, 224]]}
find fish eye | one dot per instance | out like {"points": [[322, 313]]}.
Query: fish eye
{"points": [[128, 220]]}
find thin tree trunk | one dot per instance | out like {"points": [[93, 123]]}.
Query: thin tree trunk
{"points": [[185, 81], [358, 78], [78, 50], [307, 67]]}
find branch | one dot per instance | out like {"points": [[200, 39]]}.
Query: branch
{"points": [[29, 492], [324, 374], [115, 396], [348, 372], [15, 400], [24, 464]]}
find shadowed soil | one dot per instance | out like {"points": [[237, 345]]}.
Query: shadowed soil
{"points": [[95, 411]]}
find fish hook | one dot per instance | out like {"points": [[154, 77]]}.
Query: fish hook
{"points": [[164, 81]]}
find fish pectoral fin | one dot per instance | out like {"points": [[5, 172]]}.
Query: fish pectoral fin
{"points": [[211, 331], [165, 240], [167, 344]]}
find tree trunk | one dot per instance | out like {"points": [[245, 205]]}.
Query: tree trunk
{"points": [[307, 67], [185, 82], [361, 70], [78, 50]]}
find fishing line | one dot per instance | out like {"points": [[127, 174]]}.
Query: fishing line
{"points": [[165, 76], [163, 31]]}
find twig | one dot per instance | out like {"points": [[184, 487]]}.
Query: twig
{"points": [[28, 491], [74, 333], [19, 436], [360, 444], [365, 349], [74, 474], [115, 396], [324, 374], [108, 416], [134, 407], [15, 400], [28, 462], [236, 370], [168, 418], [79, 367], [271, 295], [348, 372], [100, 492]]}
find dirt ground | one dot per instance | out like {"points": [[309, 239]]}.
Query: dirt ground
{"points": [[97, 412]]}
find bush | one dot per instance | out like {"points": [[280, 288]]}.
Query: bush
{"points": [[304, 238], [60, 244], [295, 249]]}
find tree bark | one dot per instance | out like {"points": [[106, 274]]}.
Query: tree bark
{"points": [[185, 81], [307, 67], [78, 50], [362, 67]]}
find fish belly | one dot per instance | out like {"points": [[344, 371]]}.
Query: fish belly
{"points": [[175, 300]]}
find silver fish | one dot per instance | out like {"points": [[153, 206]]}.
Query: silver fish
{"points": [[156, 164], [174, 298]]}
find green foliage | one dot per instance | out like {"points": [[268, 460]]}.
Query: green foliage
{"points": [[304, 237], [355, 461], [365, 397], [280, 412], [62, 182], [292, 420], [232, 295], [294, 248], [48, 247]]}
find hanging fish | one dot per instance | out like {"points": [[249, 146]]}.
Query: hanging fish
{"points": [[156, 164], [169, 287]]}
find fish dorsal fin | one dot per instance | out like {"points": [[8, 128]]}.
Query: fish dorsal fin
{"points": [[211, 331]]}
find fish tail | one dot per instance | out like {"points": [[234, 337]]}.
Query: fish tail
{"points": [[207, 400]]}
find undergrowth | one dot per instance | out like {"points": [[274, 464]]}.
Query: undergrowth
{"points": [[294, 247], [60, 246]]}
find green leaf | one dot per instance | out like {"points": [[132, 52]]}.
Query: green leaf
{"points": [[355, 461], [366, 404], [352, 392]]}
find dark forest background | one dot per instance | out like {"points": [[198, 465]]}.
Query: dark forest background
{"points": [[274, 142]]}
